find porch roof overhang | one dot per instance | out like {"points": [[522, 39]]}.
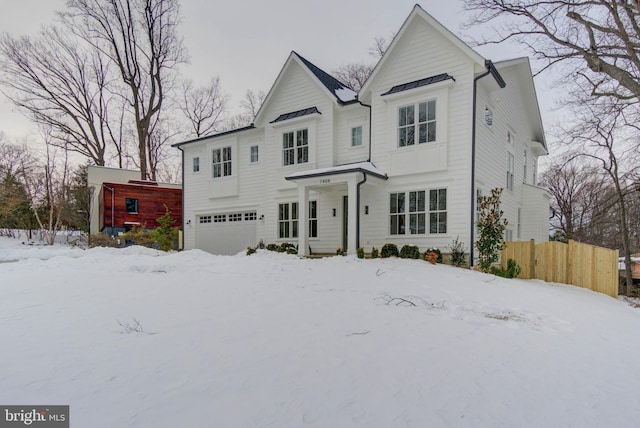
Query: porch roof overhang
{"points": [[366, 168]]}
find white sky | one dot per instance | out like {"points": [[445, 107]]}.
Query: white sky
{"points": [[245, 43]]}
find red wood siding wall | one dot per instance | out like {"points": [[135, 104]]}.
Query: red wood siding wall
{"points": [[151, 204]]}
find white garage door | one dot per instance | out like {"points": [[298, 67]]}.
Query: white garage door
{"points": [[226, 233]]}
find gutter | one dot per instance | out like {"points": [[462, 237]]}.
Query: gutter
{"points": [[367, 105], [491, 69]]}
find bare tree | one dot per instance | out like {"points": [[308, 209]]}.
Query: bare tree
{"points": [[608, 136], [353, 74], [140, 38], [57, 82], [578, 190], [598, 39], [47, 188], [356, 73], [204, 107], [250, 106]]}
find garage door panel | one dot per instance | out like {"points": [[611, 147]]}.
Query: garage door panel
{"points": [[217, 235]]}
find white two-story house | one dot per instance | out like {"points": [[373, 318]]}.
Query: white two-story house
{"points": [[402, 161]]}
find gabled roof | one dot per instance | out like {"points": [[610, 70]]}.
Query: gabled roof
{"points": [[418, 83], [526, 84], [294, 114], [339, 92], [221, 134], [419, 13]]}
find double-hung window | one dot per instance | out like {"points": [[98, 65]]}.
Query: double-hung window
{"points": [[221, 162], [288, 220], [313, 219], [438, 211], [254, 154], [396, 214], [417, 212], [356, 136], [417, 128], [295, 147], [196, 164]]}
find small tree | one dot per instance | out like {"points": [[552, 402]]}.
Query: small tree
{"points": [[165, 234], [491, 230]]}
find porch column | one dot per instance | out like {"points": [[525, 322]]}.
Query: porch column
{"points": [[303, 220], [352, 186]]}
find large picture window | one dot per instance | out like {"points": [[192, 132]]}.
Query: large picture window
{"points": [[221, 162], [417, 128], [295, 147]]}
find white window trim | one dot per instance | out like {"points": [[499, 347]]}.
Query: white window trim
{"points": [[351, 145], [407, 214], [251, 161], [193, 160], [439, 93]]}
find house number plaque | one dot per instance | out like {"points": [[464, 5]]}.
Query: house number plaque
{"points": [[325, 180]]}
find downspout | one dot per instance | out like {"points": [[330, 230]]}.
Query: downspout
{"points": [[364, 180], [112, 208], [369, 158], [473, 163]]}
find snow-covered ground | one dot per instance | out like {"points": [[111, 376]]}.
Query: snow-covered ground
{"points": [[271, 340]]}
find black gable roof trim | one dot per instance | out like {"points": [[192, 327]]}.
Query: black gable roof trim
{"points": [[294, 114], [418, 83], [232, 131], [330, 82]]}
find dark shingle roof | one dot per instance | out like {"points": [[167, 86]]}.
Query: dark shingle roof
{"points": [[330, 82], [418, 83], [231, 131], [294, 114]]}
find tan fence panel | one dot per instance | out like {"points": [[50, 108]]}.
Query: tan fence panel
{"points": [[551, 262], [524, 254], [575, 263]]}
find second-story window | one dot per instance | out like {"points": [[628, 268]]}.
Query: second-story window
{"points": [[356, 136], [221, 162], [254, 154], [295, 147], [417, 123], [196, 164]]}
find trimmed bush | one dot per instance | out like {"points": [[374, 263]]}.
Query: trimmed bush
{"points": [[272, 247], [288, 248], [389, 250], [410, 252], [340, 252], [425, 256], [250, 250], [361, 253]]}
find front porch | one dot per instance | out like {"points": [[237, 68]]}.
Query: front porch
{"points": [[344, 179]]}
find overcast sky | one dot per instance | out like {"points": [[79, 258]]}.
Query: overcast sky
{"points": [[245, 43]]}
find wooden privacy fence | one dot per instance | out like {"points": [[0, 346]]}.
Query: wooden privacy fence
{"points": [[584, 265]]}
